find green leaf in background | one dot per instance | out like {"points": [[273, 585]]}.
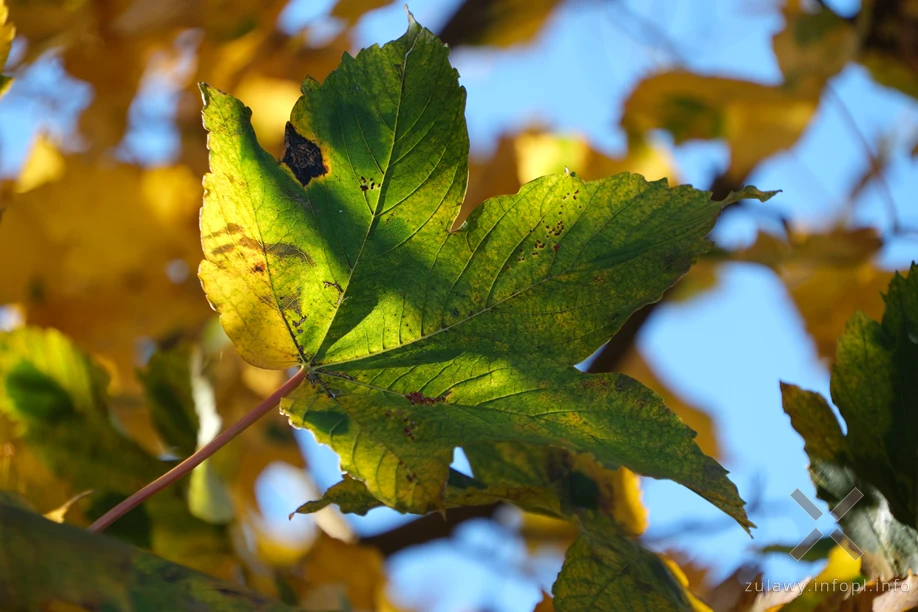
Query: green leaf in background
{"points": [[605, 571], [875, 387], [182, 402], [167, 384], [417, 340], [57, 398], [46, 566]]}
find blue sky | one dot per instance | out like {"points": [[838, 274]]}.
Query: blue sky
{"points": [[725, 350]]}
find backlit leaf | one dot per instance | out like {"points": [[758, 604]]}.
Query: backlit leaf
{"points": [[418, 340], [874, 387]]}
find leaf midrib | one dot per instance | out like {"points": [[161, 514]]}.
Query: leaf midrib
{"points": [[376, 214]]}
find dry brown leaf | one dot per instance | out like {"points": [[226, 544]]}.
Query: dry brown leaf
{"points": [[898, 595], [546, 605], [830, 586]]}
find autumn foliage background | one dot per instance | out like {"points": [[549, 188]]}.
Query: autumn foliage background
{"points": [[102, 157]]}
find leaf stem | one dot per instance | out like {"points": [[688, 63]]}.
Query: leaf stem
{"points": [[198, 457]]}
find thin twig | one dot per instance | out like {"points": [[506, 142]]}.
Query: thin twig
{"points": [[875, 163], [198, 457]]}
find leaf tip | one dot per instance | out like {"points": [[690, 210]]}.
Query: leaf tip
{"points": [[749, 192], [206, 92], [412, 22]]}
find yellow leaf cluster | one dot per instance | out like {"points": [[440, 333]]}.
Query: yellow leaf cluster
{"points": [[754, 120]]}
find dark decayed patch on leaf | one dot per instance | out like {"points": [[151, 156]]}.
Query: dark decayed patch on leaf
{"points": [[302, 156], [875, 387]]}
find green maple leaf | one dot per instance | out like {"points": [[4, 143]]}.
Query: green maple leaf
{"points": [[416, 339], [875, 386]]}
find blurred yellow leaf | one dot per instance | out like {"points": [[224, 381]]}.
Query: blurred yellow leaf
{"points": [[336, 573], [7, 33], [498, 23], [541, 153], [842, 565], [269, 440], [45, 165], [352, 10], [754, 120], [527, 155], [111, 44], [270, 100], [829, 276], [106, 254], [619, 494], [23, 472], [540, 530], [823, 592], [697, 604], [812, 47], [490, 177]]}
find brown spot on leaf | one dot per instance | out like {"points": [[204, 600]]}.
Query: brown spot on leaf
{"points": [[302, 156], [285, 249], [416, 397], [259, 267], [223, 249], [231, 228]]}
